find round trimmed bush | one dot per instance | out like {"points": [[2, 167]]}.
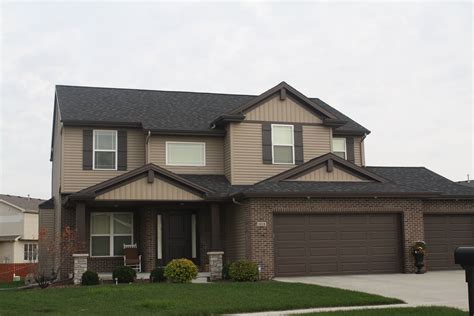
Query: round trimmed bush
{"points": [[180, 271], [124, 274], [157, 274], [243, 271], [90, 278]]}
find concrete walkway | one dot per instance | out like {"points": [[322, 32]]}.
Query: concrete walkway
{"points": [[446, 288]]}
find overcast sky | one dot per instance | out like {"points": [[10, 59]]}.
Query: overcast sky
{"points": [[403, 70]]}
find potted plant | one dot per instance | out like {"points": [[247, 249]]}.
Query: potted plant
{"points": [[419, 252]]}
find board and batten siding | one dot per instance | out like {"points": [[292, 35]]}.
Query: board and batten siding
{"points": [[247, 165], [321, 174], [276, 110], [140, 189], [214, 154], [75, 178]]}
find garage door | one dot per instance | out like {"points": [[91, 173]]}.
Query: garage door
{"points": [[443, 233], [337, 244]]}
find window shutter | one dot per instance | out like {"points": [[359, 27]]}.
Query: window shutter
{"points": [[267, 143], [350, 149], [87, 149], [122, 150], [298, 134]]}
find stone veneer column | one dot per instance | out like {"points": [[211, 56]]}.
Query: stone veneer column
{"points": [[80, 266], [215, 264]]}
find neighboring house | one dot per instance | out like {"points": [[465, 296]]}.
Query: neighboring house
{"points": [[279, 179], [18, 234]]}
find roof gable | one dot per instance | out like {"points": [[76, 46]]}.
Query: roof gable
{"points": [[311, 171], [169, 184], [275, 109], [155, 188], [326, 173]]}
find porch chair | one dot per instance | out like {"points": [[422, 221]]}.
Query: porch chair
{"points": [[131, 258]]}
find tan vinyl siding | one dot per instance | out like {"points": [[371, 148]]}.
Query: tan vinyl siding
{"points": [[75, 179], [234, 229], [321, 174], [247, 165], [316, 141], [276, 110], [227, 155], [357, 151], [140, 189], [214, 154]]}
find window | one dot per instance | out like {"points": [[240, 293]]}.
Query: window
{"points": [[185, 154], [109, 232], [283, 150], [339, 147], [105, 150], [30, 252]]}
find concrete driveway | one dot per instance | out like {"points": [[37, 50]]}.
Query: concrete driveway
{"points": [[446, 288]]}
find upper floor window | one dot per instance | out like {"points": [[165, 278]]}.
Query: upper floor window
{"points": [[105, 150], [185, 154], [283, 149], [339, 147], [109, 232], [30, 252]]}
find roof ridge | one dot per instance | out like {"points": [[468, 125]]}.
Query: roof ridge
{"points": [[21, 197], [151, 90], [422, 167]]}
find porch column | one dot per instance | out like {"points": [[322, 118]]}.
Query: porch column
{"points": [[215, 228], [80, 254], [216, 253], [81, 228]]}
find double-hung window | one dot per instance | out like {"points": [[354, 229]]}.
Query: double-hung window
{"points": [[339, 147], [185, 154], [283, 148], [105, 150], [30, 252], [109, 232]]}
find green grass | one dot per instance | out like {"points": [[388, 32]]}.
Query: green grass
{"points": [[5, 285], [416, 311], [179, 299]]}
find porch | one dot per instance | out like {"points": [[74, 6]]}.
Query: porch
{"points": [[162, 232]]}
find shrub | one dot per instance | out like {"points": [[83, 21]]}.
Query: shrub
{"points": [[124, 274], [225, 271], [90, 278], [157, 274], [180, 271], [243, 271]]}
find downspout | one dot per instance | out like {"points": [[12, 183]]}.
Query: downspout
{"points": [[235, 201], [147, 149], [362, 150]]}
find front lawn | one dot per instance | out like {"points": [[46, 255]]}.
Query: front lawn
{"points": [[415, 311], [165, 299], [5, 285]]}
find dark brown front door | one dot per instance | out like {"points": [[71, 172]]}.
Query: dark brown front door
{"points": [[443, 233], [337, 244], [177, 235]]}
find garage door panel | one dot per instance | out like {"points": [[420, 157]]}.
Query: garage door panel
{"points": [[443, 233], [340, 244], [289, 220], [291, 252], [289, 236]]}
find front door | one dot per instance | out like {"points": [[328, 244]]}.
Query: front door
{"points": [[178, 236]]}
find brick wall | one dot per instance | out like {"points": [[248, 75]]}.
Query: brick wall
{"points": [[259, 244]]}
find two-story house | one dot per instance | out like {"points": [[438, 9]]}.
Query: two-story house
{"points": [[18, 235], [277, 178]]}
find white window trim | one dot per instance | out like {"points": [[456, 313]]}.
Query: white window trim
{"points": [[186, 165], [292, 145], [345, 146], [31, 253], [111, 235], [104, 150]]}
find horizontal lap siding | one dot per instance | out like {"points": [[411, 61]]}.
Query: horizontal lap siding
{"points": [[75, 178], [247, 164], [214, 154], [277, 110]]}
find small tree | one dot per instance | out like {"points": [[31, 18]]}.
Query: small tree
{"points": [[66, 246]]}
